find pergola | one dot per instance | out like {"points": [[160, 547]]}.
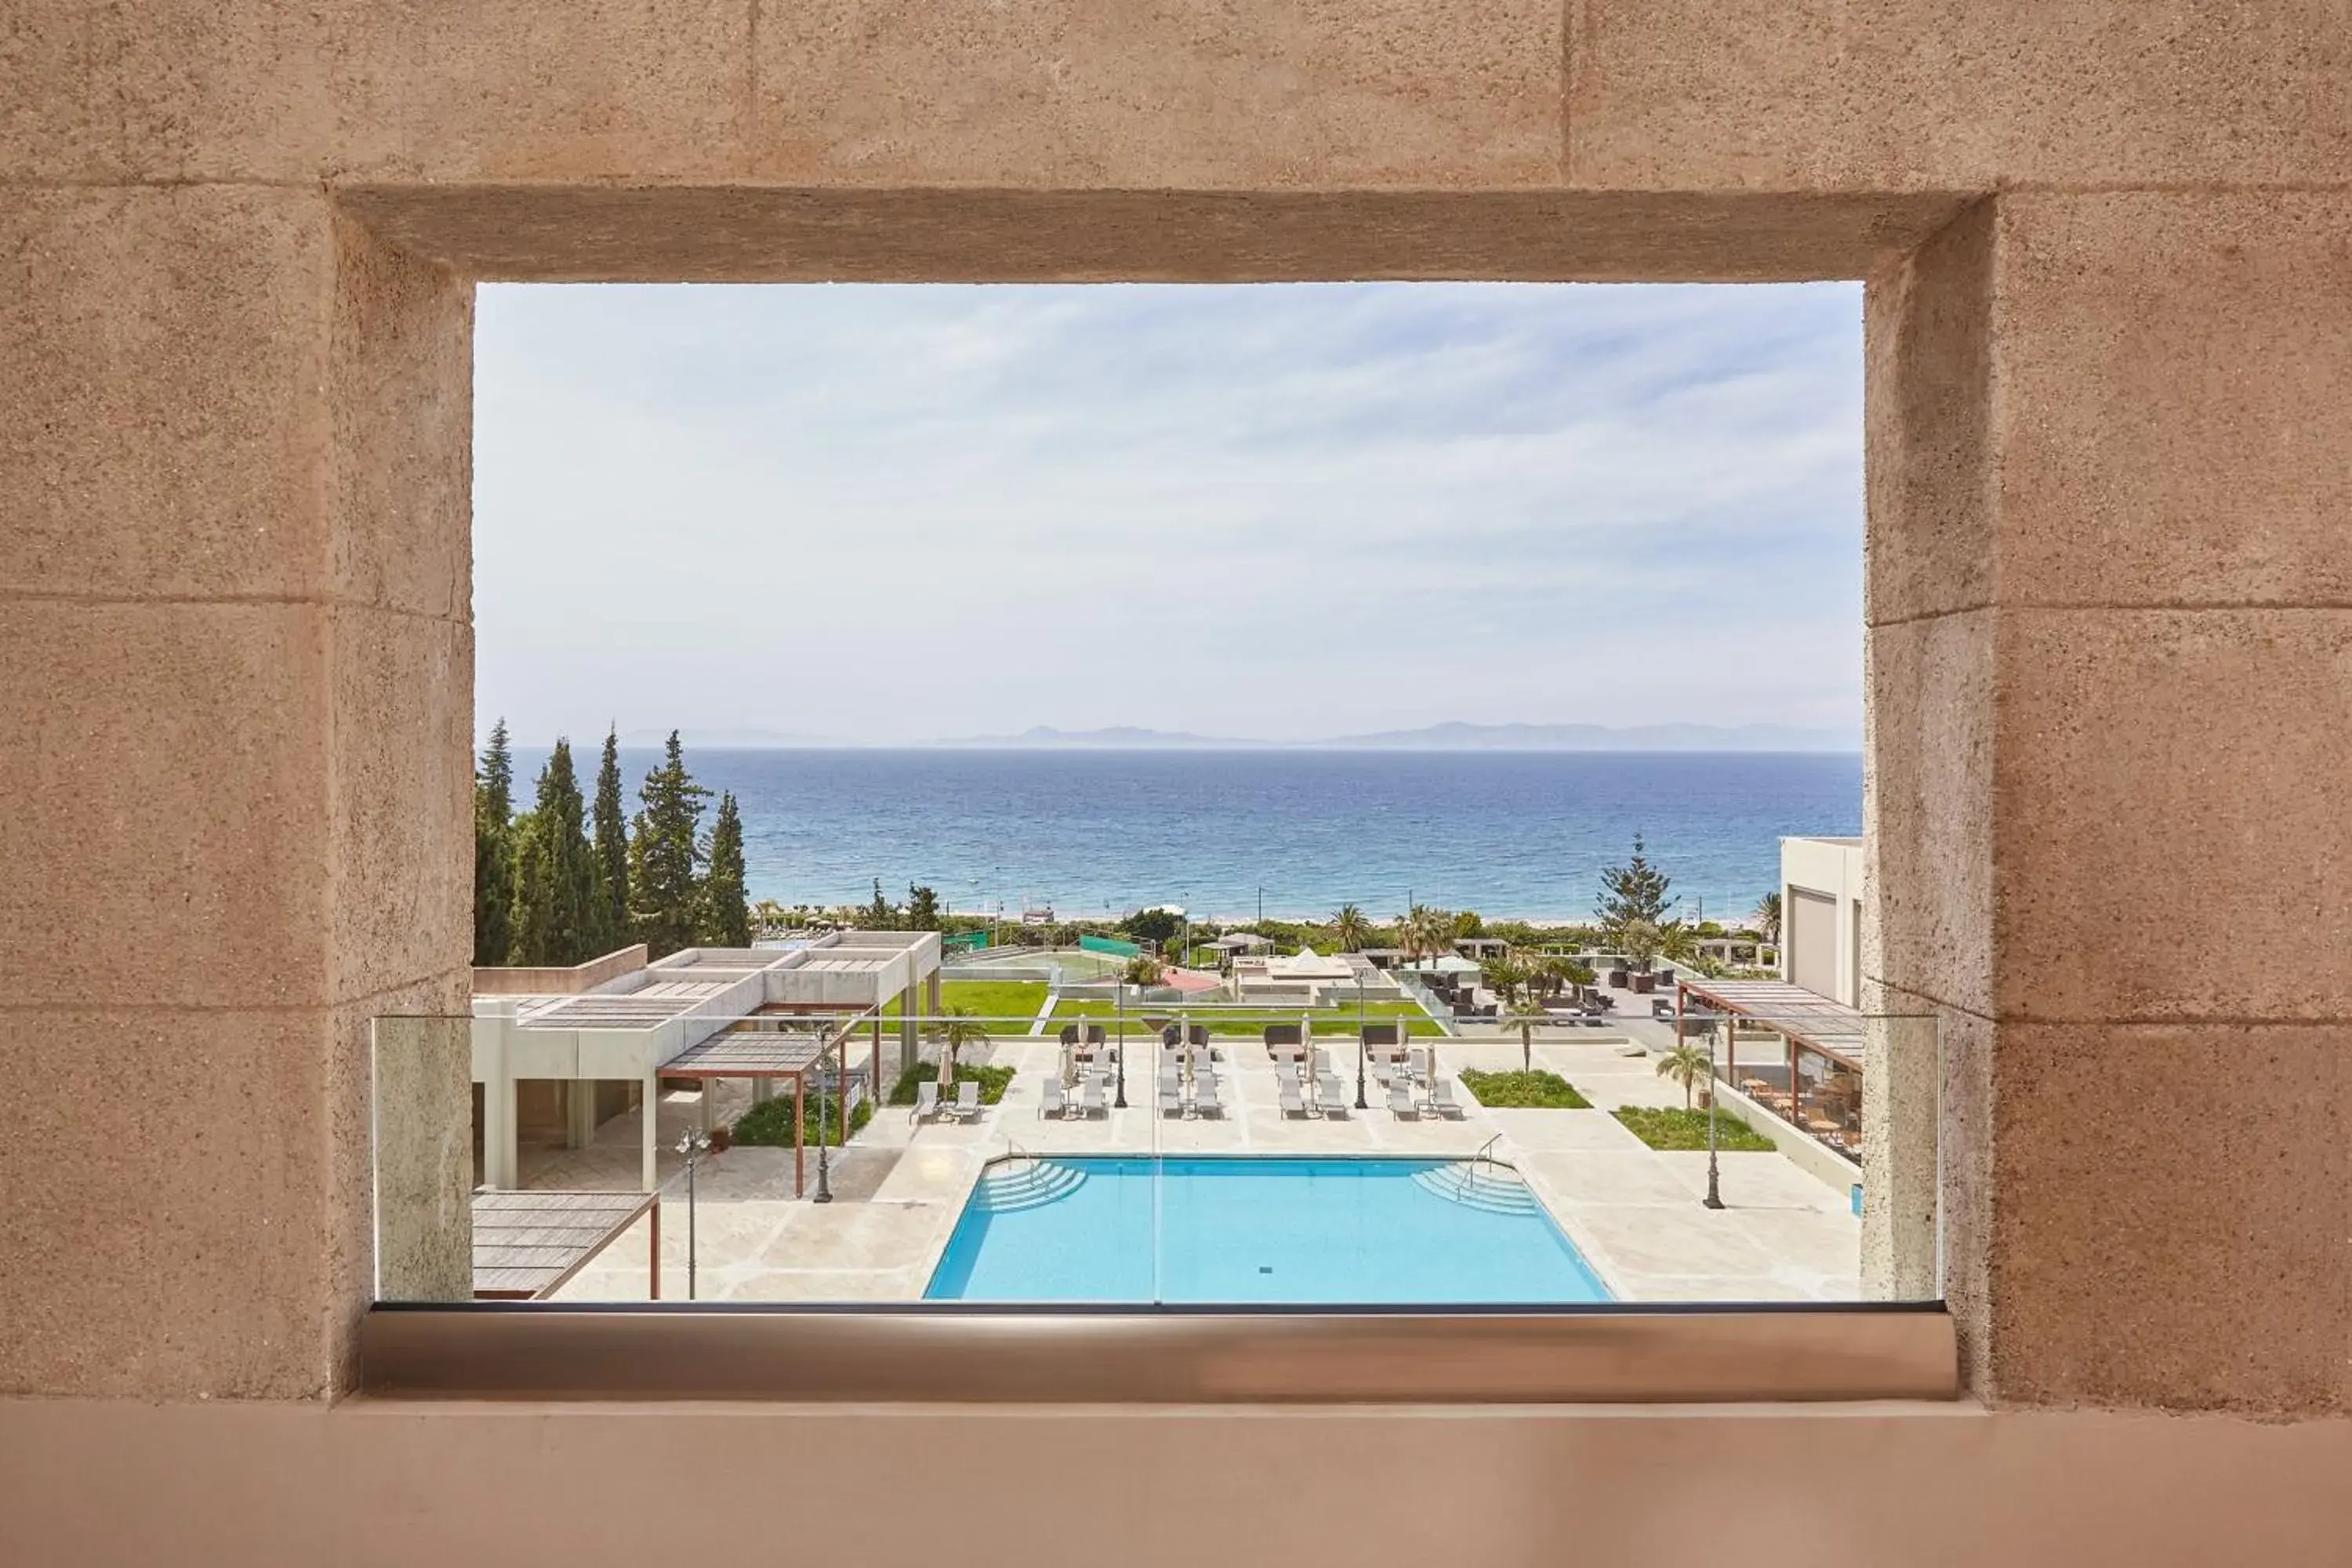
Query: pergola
{"points": [[1808, 1024], [773, 1045], [527, 1244]]}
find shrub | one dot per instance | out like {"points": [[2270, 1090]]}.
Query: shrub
{"points": [[1670, 1128], [993, 1081], [1537, 1090], [769, 1124]]}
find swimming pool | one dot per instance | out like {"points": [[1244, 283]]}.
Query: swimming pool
{"points": [[1246, 1229]]}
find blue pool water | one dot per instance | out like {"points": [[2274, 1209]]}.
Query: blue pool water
{"points": [[1256, 1230]]}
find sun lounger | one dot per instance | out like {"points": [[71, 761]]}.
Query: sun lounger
{"points": [[1090, 1098], [1441, 1099], [1056, 1102], [1331, 1095], [1287, 1093], [1401, 1099], [1206, 1100], [1171, 1098], [927, 1100], [967, 1101]]}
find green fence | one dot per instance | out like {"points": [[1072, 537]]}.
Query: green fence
{"points": [[964, 941], [1110, 945]]}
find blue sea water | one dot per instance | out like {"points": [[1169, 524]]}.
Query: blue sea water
{"points": [[1258, 1230], [1505, 833]]}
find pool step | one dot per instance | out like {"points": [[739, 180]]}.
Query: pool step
{"points": [[1480, 1185], [1025, 1184]]}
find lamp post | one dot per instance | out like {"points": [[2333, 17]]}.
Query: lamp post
{"points": [[823, 1144], [1120, 1101], [1362, 1103], [1714, 1198], [693, 1145]]}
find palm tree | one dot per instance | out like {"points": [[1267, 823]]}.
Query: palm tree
{"points": [[959, 1027], [1350, 929], [1768, 917], [1143, 970], [1686, 1064], [1579, 973], [1503, 977], [768, 917], [1428, 933], [1527, 1016]]}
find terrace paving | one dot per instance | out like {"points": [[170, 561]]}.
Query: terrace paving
{"points": [[1632, 1210]]}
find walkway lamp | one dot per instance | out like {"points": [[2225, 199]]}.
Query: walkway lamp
{"points": [[692, 1146], [1121, 1099], [1362, 1103], [1714, 1198], [825, 1144]]}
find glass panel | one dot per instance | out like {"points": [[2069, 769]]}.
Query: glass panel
{"points": [[1036, 1129]]}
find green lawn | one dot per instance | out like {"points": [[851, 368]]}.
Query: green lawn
{"points": [[1676, 1129], [1329, 1022], [1535, 1090], [994, 1000]]}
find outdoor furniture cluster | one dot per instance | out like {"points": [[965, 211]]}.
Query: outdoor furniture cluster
{"points": [[964, 1107], [1085, 1083], [1306, 1083], [1187, 1073]]}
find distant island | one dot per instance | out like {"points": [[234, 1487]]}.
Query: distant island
{"points": [[1452, 737]]}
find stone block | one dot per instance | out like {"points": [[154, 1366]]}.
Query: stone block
{"points": [[167, 780], [402, 426], [2169, 816], [168, 1205], [161, 431], [2176, 406], [1927, 415], [2171, 1217], [401, 813], [1928, 806], [1920, 94], [1297, 94]]}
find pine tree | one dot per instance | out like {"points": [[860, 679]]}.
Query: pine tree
{"points": [[877, 915], [556, 920], [726, 916], [1633, 891], [922, 908], [612, 850], [664, 893], [494, 850]]}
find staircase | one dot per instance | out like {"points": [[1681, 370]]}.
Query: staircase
{"points": [[1025, 1183], [1480, 1185]]}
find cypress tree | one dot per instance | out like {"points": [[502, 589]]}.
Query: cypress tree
{"points": [[612, 850], [494, 850], [726, 916], [557, 920], [664, 893]]}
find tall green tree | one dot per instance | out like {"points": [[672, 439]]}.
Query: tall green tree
{"points": [[922, 908], [665, 893], [557, 917], [726, 917], [877, 915], [494, 850], [1636, 890], [611, 845]]}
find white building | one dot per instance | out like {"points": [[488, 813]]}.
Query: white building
{"points": [[575, 1047], [1820, 917]]}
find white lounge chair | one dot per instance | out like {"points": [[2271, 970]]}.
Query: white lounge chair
{"points": [[927, 1100], [1441, 1101], [1331, 1095], [1205, 1096], [967, 1101], [1171, 1098], [1056, 1102], [1401, 1099], [1292, 1105], [1091, 1097]]}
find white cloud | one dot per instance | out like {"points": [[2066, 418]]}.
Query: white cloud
{"points": [[893, 513]]}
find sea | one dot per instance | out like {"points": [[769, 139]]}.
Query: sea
{"points": [[1295, 833]]}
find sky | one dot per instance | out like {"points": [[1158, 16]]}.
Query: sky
{"points": [[892, 514]]}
